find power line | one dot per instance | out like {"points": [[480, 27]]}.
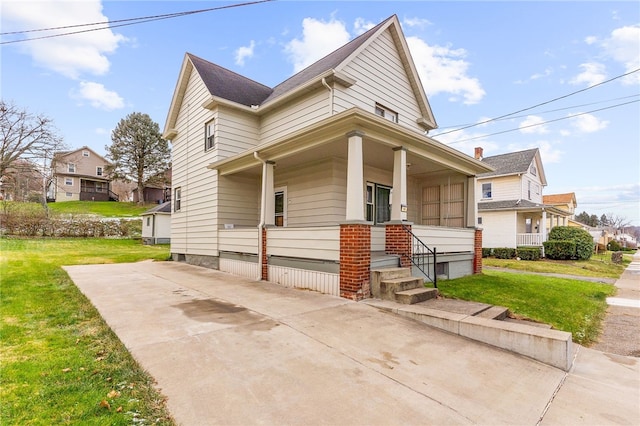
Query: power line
{"points": [[537, 105], [121, 23], [541, 123], [549, 111]]}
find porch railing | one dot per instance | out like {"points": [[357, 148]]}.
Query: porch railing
{"points": [[422, 257], [534, 240]]}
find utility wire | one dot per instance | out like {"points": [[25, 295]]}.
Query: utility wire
{"points": [[121, 23], [548, 111], [540, 104], [541, 123]]}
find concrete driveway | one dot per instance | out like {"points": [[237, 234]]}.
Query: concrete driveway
{"points": [[227, 350]]}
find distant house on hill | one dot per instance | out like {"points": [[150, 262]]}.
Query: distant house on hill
{"points": [[79, 175]]}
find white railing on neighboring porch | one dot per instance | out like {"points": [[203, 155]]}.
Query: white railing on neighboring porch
{"points": [[534, 240]]}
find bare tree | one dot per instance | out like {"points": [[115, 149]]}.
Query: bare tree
{"points": [[614, 221], [26, 138]]}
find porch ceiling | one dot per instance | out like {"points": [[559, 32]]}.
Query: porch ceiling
{"points": [[328, 139]]}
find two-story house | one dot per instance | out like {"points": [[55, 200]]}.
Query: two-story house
{"points": [[310, 183], [79, 175], [511, 210]]}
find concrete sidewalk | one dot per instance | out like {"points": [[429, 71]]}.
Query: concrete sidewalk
{"points": [[227, 350], [621, 327]]}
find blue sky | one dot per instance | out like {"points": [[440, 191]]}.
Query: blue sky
{"points": [[477, 60]]}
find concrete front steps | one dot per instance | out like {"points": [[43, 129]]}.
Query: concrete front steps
{"points": [[397, 284], [473, 320]]}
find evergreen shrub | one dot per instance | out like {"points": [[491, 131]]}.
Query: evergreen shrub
{"points": [[559, 249], [582, 239], [529, 253], [504, 253]]}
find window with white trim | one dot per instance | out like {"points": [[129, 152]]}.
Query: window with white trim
{"points": [[68, 181], [85, 153], [99, 171], [209, 135], [533, 170], [177, 199], [486, 190], [71, 168], [280, 218], [385, 112]]}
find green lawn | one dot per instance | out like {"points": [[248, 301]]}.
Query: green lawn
{"points": [[569, 305], [61, 364], [599, 265], [99, 208]]}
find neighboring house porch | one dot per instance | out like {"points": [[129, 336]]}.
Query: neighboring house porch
{"points": [[519, 223]]}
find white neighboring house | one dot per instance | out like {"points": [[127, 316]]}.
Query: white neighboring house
{"points": [[156, 224], [510, 208], [310, 182]]}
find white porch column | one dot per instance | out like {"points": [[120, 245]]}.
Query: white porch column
{"points": [[543, 225], [355, 178], [399, 198], [269, 198], [472, 203]]}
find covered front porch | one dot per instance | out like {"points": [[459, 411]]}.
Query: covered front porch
{"points": [[310, 210]]}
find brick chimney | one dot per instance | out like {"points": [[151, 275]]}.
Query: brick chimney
{"points": [[478, 153]]}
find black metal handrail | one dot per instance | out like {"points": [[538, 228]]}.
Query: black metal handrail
{"points": [[422, 257]]}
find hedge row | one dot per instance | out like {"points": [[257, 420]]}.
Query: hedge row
{"points": [[524, 253], [39, 225]]}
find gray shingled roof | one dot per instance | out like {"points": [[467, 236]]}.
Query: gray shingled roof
{"points": [[507, 204], [229, 85], [160, 208], [511, 163]]}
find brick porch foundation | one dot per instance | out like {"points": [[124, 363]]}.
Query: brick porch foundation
{"points": [[398, 241], [355, 260], [477, 252]]}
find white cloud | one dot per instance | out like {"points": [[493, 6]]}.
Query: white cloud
{"points": [[70, 55], [360, 26], [416, 22], [591, 39], [319, 38], [101, 131], [548, 152], [98, 96], [533, 124], [588, 123], [444, 70], [244, 52], [546, 73], [624, 47], [592, 73]]}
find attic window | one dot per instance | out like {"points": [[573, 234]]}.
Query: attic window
{"points": [[209, 135], [85, 153], [386, 113], [532, 169]]}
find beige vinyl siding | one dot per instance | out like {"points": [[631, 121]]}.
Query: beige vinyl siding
{"points": [[237, 131], [244, 240], [305, 242], [503, 188], [315, 193], [390, 88], [445, 240], [190, 173], [296, 115], [239, 201]]}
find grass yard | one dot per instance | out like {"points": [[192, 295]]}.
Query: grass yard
{"points": [[599, 265], [61, 364], [99, 208], [569, 305], [109, 209]]}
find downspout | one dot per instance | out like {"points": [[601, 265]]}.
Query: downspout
{"points": [[324, 83], [263, 213]]}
